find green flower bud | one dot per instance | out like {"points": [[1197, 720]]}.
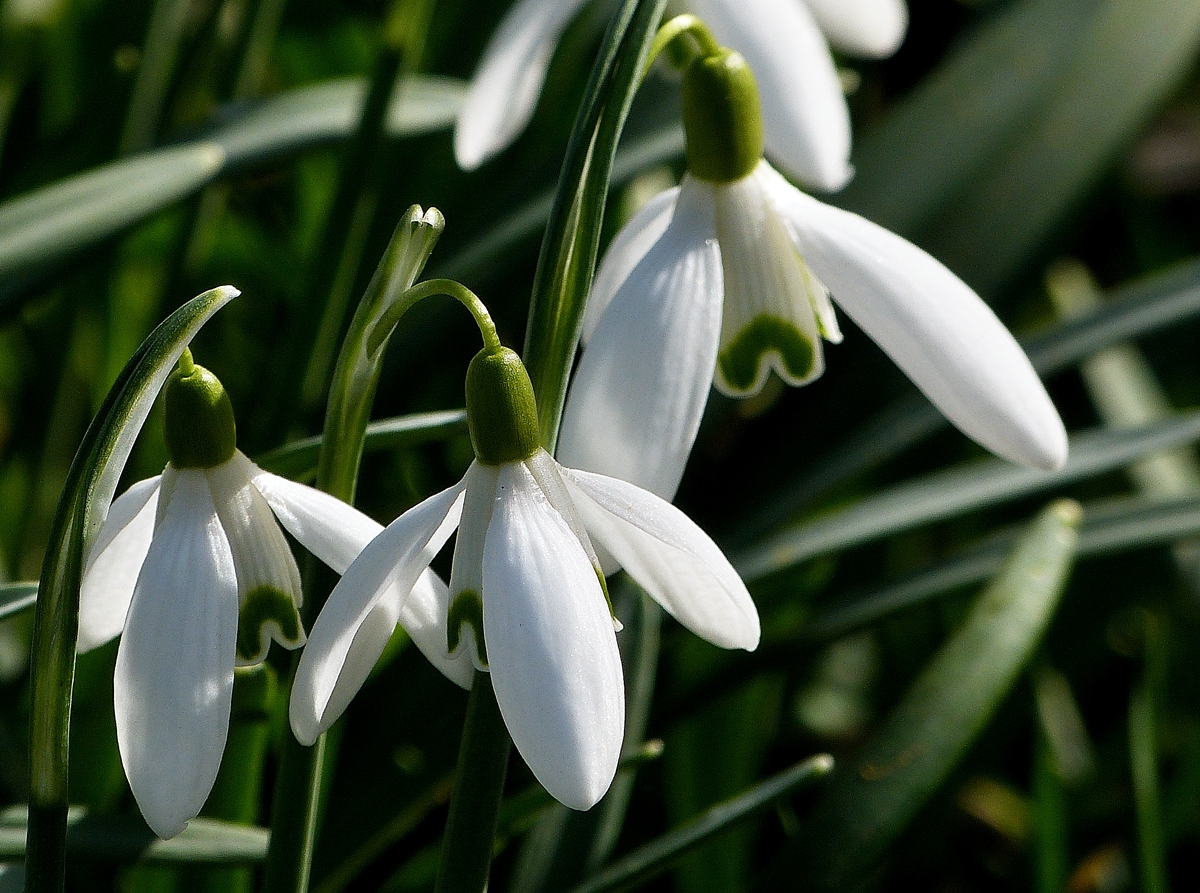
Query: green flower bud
{"points": [[501, 410], [721, 118], [200, 430]]}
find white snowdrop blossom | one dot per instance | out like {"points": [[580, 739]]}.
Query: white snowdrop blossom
{"points": [[528, 599], [192, 570], [806, 119], [730, 275]]}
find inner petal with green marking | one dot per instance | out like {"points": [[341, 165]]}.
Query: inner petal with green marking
{"points": [[467, 608], [766, 342], [266, 614]]}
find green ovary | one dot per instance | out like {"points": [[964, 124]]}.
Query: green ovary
{"points": [[765, 334], [264, 605]]}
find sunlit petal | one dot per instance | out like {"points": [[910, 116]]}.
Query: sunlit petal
{"points": [[870, 29], [639, 391], [323, 524], [174, 675], [395, 558], [269, 591], [805, 119], [625, 252], [670, 557], [769, 320], [944, 337], [505, 88], [552, 650], [114, 564], [423, 616]]}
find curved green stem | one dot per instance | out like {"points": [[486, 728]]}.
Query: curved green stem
{"points": [[684, 38], [383, 327]]}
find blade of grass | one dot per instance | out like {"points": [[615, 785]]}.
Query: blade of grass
{"points": [[873, 797]]}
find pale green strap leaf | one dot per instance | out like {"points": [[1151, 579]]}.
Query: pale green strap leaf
{"points": [[16, 598], [958, 490], [125, 839], [872, 798]]}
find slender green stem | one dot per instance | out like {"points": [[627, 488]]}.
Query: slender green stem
{"points": [[1143, 759], [304, 771], [683, 37], [387, 322], [482, 763]]}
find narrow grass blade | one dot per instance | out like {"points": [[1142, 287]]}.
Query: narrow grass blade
{"points": [[958, 490], [1143, 759], [16, 598], [657, 856], [298, 460], [126, 839], [872, 798]]}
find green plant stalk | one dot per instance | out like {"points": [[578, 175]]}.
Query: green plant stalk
{"points": [[1051, 831], [567, 261], [1143, 762], [87, 493], [303, 770], [478, 788]]}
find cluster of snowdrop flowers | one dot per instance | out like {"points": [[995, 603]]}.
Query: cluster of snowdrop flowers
{"points": [[807, 122], [729, 276], [529, 603], [191, 569]]}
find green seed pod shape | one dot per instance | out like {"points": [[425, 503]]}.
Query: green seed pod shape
{"points": [[721, 118], [200, 429], [501, 410]]}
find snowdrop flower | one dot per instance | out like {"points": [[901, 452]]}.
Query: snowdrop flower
{"points": [[529, 602], [192, 567], [807, 123], [729, 276]]}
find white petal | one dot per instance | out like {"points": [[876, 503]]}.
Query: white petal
{"points": [[269, 593], [329, 528], [670, 557], [423, 616], [625, 252], [770, 296], [870, 29], [505, 88], [395, 558], [466, 572], [639, 391], [174, 676], [551, 647], [114, 564], [944, 337], [805, 120]]}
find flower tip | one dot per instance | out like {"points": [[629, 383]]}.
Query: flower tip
{"points": [[165, 823], [1050, 453], [304, 722], [470, 151]]}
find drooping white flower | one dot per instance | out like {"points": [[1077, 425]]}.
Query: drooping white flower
{"points": [[192, 570], [529, 604], [806, 119], [730, 275]]}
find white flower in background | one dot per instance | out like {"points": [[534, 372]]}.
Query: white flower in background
{"points": [[529, 604], [192, 567], [806, 119], [729, 275]]}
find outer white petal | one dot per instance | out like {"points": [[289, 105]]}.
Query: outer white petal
{"points": [[805, 120], [423, 616], [944, 337], [329, 528], [551, 647], [395, 558], [114, 564], [639, 391], [769, 320], [267, 576], [668, 555], [871, 29], [505, 88], [174, 675], [625, 252]]}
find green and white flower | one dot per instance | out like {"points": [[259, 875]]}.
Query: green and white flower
{"points": [[729, 276], [807, 123], [192, 570], [528, 599]]}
